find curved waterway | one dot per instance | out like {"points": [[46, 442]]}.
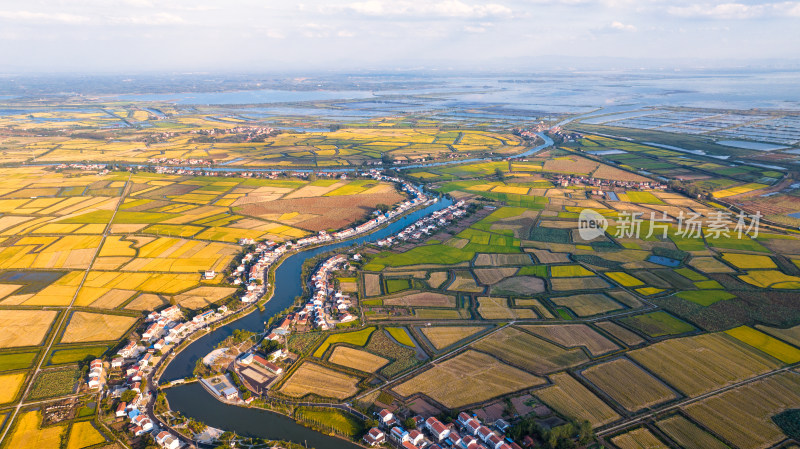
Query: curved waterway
{"points": [[193, 401]]}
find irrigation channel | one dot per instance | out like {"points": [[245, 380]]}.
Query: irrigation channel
{"points": [[194, 402]]}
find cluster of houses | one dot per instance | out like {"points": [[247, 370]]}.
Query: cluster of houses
{"points": [[325, 301], [466, 432], [97, 374], [103, 168], [253, 266], [427, 225], [164, 328], [176, 161], [574, 180]]}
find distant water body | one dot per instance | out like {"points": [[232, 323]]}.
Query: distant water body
{"points": [[553, 92]]}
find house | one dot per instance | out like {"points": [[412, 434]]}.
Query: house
{"points": [[398, 434], [120, 413], [484, 433], [116, 362], [387, 417], [502, 425], [415, 437], [463, 418], [437, 429], [142, 423], [527, 441], [209, 274], [472, 426], [468, 442], [230, 393], [409, 445], [374, 436], [128, 350], [494, 441], [167, 440]]}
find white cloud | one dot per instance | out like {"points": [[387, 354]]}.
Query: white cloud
{"points": [[736, 10], [345, 33], [161, 18], [621, 26], [424, 9], [29, 16]]}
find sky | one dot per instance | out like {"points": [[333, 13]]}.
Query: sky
{"points": [[113, 36]]}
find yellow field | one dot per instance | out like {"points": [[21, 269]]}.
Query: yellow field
{"points": [[632, 387], [568, 271], [100, 282], [24, 327], [27, 434], [640, 438], [570, 398], [357, 359], [763, 342], [9, 386], [647, 291], [86, 326], [748, 261], [754, 403], [452, 382], [83, 434], [703, 363], [624, 279], [312, 378], [738, 190], [444, 336], [771, 279], [203, 296], [688, 435], [498, 309]]}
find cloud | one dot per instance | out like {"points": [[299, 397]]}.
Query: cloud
{"points": [[161, 18], [736, 10], [423, 9], [621, 26], [29, 16]]}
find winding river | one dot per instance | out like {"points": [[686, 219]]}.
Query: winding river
{"points": [[193, 401]]}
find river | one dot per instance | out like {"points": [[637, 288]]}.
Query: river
{"points": [[192, 401]]}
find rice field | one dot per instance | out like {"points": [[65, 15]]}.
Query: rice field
{"points": [[311, 378], [688, 435], [587, 304], [574, 335], [24, 327], [754, 403], [88, 326], [748, 261], [498, 309], [765, 343], [27, 434], [628, 384], [640, 438], [529, 352], [451, 382], [357, 359], [703, 363], [570, 398], [443, 336], [10, 385], [657, 324], [357, 338], [83, 434]]}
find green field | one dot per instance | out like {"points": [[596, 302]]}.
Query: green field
{"points": [[657, 324], [401, 335], [72, 355], [330, 420], [16, 360], [705, 297], [397, 285], [357, 338]]}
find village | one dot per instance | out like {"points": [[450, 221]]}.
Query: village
{"points": [[135, 362], [431, 433]]}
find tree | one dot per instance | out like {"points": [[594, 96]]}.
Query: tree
{"points": [[409, 423], [382, 207], [498, 172], [127, 396], [268, 346]]}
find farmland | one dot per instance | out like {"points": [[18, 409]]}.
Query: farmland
{"points": [[504, 304], [629, 385], [449, 382], [357, 359], [571, 398], [311, 378]]}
